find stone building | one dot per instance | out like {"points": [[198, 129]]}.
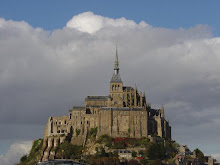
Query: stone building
{"points": [[122, 113]]}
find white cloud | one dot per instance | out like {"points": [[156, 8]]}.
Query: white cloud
{"points": [[91, 23], [44, 73], [15, 152], [216, 156]]}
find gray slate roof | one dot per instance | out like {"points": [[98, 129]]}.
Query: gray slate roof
{"points": [[116, 78], [128, 89], [96, 97]]}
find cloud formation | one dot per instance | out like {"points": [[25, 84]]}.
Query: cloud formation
{"points": [[44, 73], [15, 152], [91, 23]]}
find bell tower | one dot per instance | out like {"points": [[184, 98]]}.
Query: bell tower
{"points": [[116, 85]]}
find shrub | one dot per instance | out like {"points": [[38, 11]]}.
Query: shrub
{"points": [[93, 132], [134, 154], [78, 132], [23, 158], [156, 151], [69, 151], [105, 139]]}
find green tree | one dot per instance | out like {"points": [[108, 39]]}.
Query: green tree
{"points": [[23, 158], [156, 151], [144, 142], [134, 154], [199, 155], [69, 151], [105, 139], [155, 162]]}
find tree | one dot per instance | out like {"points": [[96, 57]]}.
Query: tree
{"points": [[155, 162], [199, 155], [23, 158], [69, 151], [134, 154], [133, 162], [156, 151]]}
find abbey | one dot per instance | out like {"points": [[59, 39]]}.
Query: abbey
{"points": [[124, 112]]}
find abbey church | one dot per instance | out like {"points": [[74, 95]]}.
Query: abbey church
{"points": [[124, 112]]}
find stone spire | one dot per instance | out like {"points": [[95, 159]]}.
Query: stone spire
{"points": [[116, 77], [116, 68]]}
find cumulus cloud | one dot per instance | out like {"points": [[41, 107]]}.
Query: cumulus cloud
{"points": [[44, 73], [91, 23], [15, 152]]}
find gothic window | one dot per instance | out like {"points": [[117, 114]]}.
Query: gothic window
{"points": [[70, 115], [65, 122]]}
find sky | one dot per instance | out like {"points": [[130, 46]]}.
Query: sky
{"points": [[55, 53]]}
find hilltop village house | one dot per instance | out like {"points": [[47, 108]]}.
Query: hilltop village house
{"points": [[124, 112]]}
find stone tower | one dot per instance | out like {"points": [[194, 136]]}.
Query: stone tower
{"points": [[116, 85]]}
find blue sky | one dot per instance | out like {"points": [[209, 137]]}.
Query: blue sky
{"points": [[53, 14], [179, 53]]}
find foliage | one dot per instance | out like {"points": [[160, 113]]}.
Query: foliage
{"points": [[144, 161], [101, 153], [23, 158], [155, 162], [78, 132], [199, 155], [134, 154], [92, 160], [144, 142], [129, 130], [105, 139], [69, 151], [133, 162], [141, 153], [93, 132], [156, 151], [34, 154], [102, 157], [122, 142]]}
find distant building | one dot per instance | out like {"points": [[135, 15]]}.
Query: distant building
{"points": [[124, 112]]}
